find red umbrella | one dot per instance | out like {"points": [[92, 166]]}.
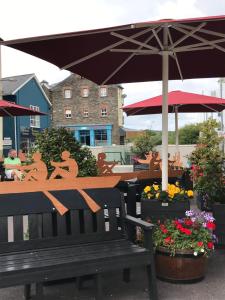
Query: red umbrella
{"points": [[10, 109], [178, 101], [146, 51]]}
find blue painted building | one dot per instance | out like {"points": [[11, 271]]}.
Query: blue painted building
{"points": [[19, 132]]}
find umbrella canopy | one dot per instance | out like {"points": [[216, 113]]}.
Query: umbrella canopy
{"points": [[183, 101], [146, 51], [10, 109], [133, 52]]}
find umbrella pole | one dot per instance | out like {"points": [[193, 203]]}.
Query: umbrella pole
{"points": [[165, 75], [176, 129], [1, 92]]}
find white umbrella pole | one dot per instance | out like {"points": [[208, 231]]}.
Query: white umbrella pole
{"points": [[15, 133], [176, 129], [165, 75]]}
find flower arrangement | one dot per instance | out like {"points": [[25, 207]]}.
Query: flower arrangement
{"points": [[194, 232], [174, 192]]}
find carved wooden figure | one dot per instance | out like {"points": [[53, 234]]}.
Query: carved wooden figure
{"points": [[104, 167]]}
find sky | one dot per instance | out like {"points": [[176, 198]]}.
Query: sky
{"points": [[26, 18]]}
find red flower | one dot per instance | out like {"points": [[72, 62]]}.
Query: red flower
{"points": [[167, 240], [187, 231], [164, 230], [211, 226], [210, 245], [200, 244], [188, 222]]}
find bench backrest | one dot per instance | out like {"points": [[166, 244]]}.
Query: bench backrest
{"points": [[29, 220]]}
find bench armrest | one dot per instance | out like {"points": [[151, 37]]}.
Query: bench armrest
{"points": [[134, 221]]}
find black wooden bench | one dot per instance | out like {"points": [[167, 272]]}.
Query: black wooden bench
{"points": [[79, 243]]}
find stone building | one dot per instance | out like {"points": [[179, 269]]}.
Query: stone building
{"points": [[92, 112]]}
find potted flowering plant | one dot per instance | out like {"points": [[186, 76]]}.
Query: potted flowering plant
{"points": [[183, 245], [157, 204]]}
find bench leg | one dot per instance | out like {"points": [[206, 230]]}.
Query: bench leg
{"points": [[27, 291], [98, 286], [153, 294], [39, 289], [126, 275]]}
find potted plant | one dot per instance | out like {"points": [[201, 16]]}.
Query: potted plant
{"points": [[182, 247], [160, 205], [208, 166]]}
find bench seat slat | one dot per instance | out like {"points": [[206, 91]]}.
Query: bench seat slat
{"points": [[73, 254]]}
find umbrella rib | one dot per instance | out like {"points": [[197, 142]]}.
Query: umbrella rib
{"points": [[193, 49], [175, 56], [138, 51], [178, 49], [157, 38], [203, 40], [76, 62], [128, 39], [5, 111], [210, 32], [128, 58], [187, 35], [210, 108]]}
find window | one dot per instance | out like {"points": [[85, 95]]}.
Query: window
{"points": [[67, 93], [68, 114], [103, 91], [85, 92], [104, 112], [100, 137], [35, 120], [85, 112], [85, 137]]}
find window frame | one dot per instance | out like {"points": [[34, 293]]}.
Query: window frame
{"points": [[35, 121], [64, 93]]}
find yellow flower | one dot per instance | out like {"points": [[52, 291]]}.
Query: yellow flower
{"points": [[182, 192], [156, 187], [149, 195], [177, 190], [177, 183], [157, 195], [190, 193], [147, 189]]}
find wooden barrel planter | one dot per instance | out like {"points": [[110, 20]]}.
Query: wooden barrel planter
{"points": [[184, 267], [154, 209]]}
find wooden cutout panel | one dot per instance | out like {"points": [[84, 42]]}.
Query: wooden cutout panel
{"points": [[155, 167], [35, 180]]}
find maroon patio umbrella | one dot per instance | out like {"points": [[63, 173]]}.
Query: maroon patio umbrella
{"points": [[10, 109], [178, 101], [146, 51]]}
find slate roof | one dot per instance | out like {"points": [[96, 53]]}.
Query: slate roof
{"points": [[11, 84]]}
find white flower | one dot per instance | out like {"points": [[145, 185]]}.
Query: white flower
{"points": [[202, 250], [195, 253]]}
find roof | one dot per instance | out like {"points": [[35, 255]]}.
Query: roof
{"points": [[56, 84], [12, 84]]}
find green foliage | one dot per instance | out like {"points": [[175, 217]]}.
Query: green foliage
{"points": [[189, 134], [207, 160], [52, 142], [144, 143]]}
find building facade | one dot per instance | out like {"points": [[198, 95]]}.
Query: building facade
{"points": [[25, 90], [93, 113]]}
